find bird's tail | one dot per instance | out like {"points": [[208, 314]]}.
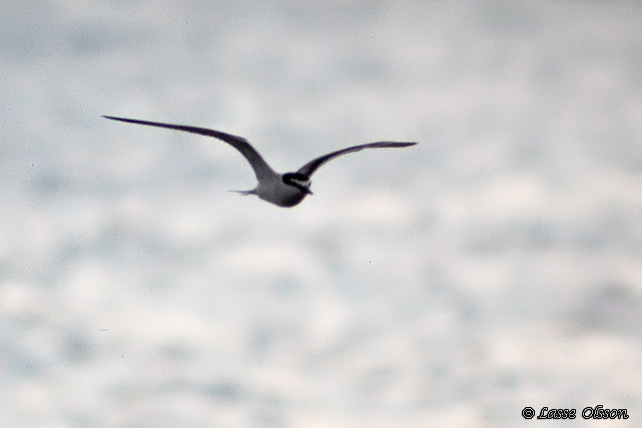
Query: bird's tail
{"points": [[244, 192]]}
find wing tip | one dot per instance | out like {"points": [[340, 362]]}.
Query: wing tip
{"points": [[112, 117], [398, 143]]}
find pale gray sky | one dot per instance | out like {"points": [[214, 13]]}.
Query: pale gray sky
{"points": [[492, 267]]}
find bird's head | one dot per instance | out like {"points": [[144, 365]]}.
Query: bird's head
{"points": [[298, 180]]}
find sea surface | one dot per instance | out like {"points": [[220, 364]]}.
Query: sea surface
{"points": [[495, 266]]}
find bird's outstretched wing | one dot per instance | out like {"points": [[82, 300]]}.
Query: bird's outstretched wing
{"points": [[309, 168], [260, 167]]}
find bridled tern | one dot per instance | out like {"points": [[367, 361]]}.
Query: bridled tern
{"points": [[284, 190]]}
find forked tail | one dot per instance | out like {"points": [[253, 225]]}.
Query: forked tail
{"points": [[244, 192]]}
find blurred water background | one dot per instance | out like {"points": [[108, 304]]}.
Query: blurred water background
{"points": [[496, 265]]}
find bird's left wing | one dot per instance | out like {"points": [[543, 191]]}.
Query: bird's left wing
{"points": [[260, 167], [309, 168]]}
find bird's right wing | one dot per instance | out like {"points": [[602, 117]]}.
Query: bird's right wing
{"points": [[260, 167], [309, 168]]}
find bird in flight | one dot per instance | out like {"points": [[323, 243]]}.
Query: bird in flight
{"points": [[285, 190]]}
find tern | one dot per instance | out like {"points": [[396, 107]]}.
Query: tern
{"points": [[285, 190]]}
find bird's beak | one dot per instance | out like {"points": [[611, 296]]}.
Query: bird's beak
{"points": [[308, 191]]}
